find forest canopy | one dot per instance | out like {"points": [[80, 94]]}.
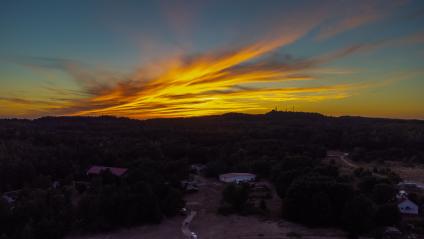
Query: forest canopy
{"points": [[37, 154]]}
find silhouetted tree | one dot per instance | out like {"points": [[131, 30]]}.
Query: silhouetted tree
{"points": [[236, 195], [358, 215], [387, 215], [383, 193]]}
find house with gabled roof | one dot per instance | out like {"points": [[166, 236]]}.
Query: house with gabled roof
{"points": [[408, 207]]}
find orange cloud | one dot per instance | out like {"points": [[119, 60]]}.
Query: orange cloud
{"points": [[242, 79], [212, 84]]}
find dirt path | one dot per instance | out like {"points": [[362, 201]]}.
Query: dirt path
{"points": [[341, 156], [185, 227], [347, 162]]}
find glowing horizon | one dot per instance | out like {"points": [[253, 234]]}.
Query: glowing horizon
{"points": [[312, 57]]}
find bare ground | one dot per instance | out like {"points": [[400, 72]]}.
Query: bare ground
{"points": [[407, 172]]}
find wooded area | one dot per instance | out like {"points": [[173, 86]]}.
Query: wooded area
{"points": [[44, 159]]}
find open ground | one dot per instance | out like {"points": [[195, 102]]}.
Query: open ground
{"points": [[207, 224]]}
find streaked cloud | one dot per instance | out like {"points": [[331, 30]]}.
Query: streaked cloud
{"points": [[251, 75], [355, 14], [214, 83], [242, 80]]}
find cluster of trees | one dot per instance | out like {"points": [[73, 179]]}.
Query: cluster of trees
{"points": [[42, 159], [34, 154], [112, 202], [317, 194], [102, 203], [234, 198]]}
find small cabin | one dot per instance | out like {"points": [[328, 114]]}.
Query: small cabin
{"points": [[237, 177]]}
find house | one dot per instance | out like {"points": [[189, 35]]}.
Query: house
{"points": [[237, 177], [96, 170], [407, 207]]}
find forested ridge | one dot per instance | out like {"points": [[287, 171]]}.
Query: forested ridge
{"points": [[285, 147]]}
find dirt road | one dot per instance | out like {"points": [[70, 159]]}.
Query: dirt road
{"points": [[341, 156], [207, 224], [185, 227]]}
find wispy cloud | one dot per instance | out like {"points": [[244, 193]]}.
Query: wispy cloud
{"points": [[355, 14], [234, 78], [243, 80], [212, 84]]}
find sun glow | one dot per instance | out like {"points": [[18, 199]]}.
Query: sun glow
{"points": [[209, 84]]}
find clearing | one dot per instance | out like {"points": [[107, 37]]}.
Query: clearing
{"points": [[207, 224]]}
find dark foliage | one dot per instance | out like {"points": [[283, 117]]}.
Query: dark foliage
{"points": [[358, 215], [387, 215], [236, 195]]}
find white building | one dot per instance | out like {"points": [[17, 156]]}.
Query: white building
{"points": [[237, 177], [406, 206]]}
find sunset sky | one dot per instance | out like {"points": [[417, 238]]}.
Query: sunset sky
{"points": [[151, 59]]}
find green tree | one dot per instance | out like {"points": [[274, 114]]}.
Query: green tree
{"points": [[383, 193], [367, 183], [262, 205], [216, 167], [283, 181], [236, 195], [27, 232], [358, 215], [387, 215], [4, 216], [308, 201]]}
